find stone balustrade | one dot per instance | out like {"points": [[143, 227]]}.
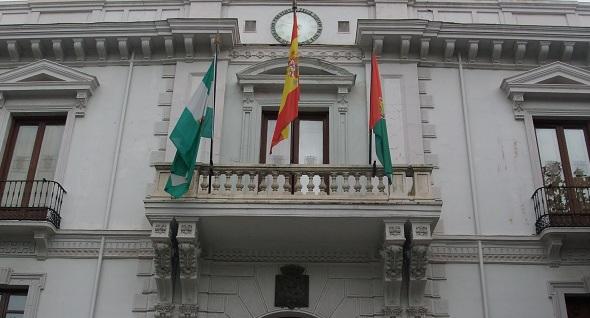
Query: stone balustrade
{"points": [[292, 182]]}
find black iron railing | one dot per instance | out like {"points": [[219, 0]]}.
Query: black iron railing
{"points": [[34, 200], [561, 206]]}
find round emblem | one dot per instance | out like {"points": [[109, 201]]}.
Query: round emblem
{"points": [[310, 26]]}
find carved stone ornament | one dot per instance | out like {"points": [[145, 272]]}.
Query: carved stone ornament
{"points": [[188, 254], [393, 260], [188, 311], [392, 311], [395, 230], [162, 254], [418, 262], [517, 105], [292, 287], [416, 312], [164, 310], [160, 228], [422, 230], [186, 228]]}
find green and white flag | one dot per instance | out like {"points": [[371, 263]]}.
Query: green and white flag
{"points": [[196, 121]]}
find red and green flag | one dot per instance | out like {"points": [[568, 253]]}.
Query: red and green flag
{"points": [[377, 120]]}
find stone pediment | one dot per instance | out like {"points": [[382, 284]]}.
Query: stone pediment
{"points": [[312, 71], [46, 75], [46, 78], [557, 78]]}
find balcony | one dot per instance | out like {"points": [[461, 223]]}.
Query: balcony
{"points": [[561, 206], [335, 184], [30, 201]]}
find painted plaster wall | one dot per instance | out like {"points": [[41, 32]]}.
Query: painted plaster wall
{"points": [[501, 157], [93, 147], [118, 286], [247, 289], [328, 16]]}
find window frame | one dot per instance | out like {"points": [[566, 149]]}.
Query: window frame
{"points": [[323, 116], [5, 293], [560, 126]]}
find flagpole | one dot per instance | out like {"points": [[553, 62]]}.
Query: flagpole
{"points": [[216, 41]]}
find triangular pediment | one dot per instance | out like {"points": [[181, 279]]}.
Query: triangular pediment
{"points": [[554, 78], [312, 71], [44, 71]]}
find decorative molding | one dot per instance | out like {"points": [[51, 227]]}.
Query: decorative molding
{"points": [[556, 79], [392, 262], [188, 260], [340, 54], [286, 256], [332, 75], [46, 76]]}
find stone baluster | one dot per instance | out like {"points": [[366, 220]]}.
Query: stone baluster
{"points": [[262, 186], [369, 186], [204, 180], [275, 181], [240, 181], [310, 184], [381, 185], [216, 184], [357, 182], [398, 185], [323, 187], [333, 183], [227, 184], [345, 185], [298, 183], [287, 185], [252, 181]]}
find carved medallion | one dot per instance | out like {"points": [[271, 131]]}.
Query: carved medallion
{"points": [[292, 287]]}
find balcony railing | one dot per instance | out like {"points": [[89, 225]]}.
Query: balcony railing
{"points": [[561, 206], [292, 182], [31, 200]]}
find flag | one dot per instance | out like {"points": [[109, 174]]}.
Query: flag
{"points": [[377, 120], [290, 98], [196, 121]]}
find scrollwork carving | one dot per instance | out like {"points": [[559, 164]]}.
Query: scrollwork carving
{"points": [[162, 255], [393, 262], [188, 310], [188, 257], [418, 262]]}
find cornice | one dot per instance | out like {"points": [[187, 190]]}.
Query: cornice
{"points": [[493, 44], [106, 41]]}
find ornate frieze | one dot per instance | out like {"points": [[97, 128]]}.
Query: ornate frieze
{"points": [[330, 54]]}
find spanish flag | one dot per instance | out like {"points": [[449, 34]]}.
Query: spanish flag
{"points": [[290, 98]]}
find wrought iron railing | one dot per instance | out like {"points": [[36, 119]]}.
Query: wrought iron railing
{"points": [[561, 206], [306, 182], [33, 200]]}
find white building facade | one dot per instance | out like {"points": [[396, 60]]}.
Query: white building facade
{"points": [[487, 215]]}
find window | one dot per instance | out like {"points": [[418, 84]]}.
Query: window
{"points": [[563, 152], [12, 302], [31, 154], [577, 305], [250, 26], [343, 26], [307, 143]]}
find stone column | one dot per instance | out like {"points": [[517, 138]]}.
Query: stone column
{"points": [[247, 144]]}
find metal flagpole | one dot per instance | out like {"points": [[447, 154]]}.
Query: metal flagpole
{"points": [[216, 41]]}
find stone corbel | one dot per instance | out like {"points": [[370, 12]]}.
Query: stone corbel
{"points": [[377, 45], [41, 237], [162, 261], [146, 48], [188, 254], [13, 50], [553, 245], [424, 48], [58, 49], [543, 51], [164, 310], [247, 98], [79, 49], [169, 45], [393, 260], [421, 238], [2, 100], [519, 51], [188, 311], [449, 49], [123, 48], [188, 46], [101, 48], [405, 46], [36, 49], [518, 106], [497, 50], [81, 102], [473, 49], [342, 99]]}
